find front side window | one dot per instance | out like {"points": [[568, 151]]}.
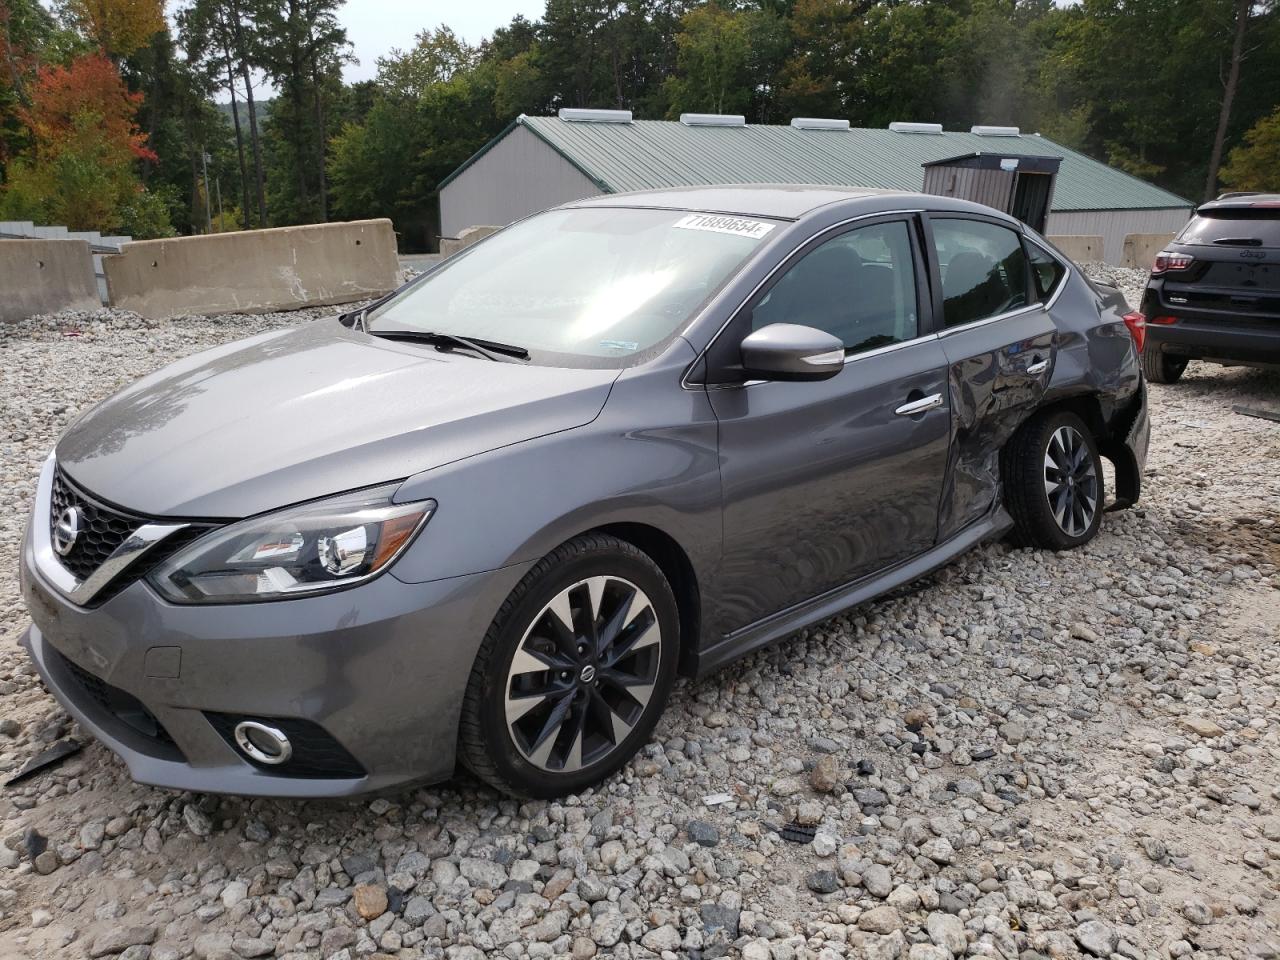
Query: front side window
{"points": [[984, 271], [859, 287], [586, 287]]}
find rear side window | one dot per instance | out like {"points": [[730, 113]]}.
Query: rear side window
{"points": [[1240, 227], [984, 271], [1046, 272]]}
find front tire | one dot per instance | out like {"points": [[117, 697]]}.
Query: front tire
{"points": [[1053, 482], [574, 672], [1159, 367]]}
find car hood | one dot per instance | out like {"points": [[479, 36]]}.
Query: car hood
{"points": [[303, 413]]}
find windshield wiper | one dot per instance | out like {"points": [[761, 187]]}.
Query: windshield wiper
{"points": [[489, 349], [1239, 241]]}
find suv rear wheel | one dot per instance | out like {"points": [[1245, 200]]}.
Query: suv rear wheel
{"points": [[1053, 482], [574, 671], [1159, 367]]}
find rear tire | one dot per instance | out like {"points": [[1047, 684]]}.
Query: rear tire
{"points": [[574, 672], [1159, 367], [1053, 482]]}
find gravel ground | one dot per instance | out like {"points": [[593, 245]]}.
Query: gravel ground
{"points": [[1027, 755]]}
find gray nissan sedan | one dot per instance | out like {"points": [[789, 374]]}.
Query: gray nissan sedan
{"points": [[492, 516]]}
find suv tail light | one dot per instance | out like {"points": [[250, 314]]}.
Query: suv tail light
{"points": [[1167, 260], [1137, 324]]}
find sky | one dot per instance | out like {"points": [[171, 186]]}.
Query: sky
{"points": [[374, 27]]}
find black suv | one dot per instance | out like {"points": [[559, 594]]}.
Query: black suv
{"points": [[1214, 292]]}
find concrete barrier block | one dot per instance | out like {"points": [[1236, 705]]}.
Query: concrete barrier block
{"points": [[465, 238], [45, 276], [1140, 249], [1081, 249], [254, 271]]}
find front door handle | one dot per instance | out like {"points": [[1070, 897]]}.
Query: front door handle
{"points": [[1037, 368], [923, 405]]}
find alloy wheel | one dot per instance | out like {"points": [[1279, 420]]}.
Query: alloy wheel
{"points": [[583, 674], [1070, 481]]}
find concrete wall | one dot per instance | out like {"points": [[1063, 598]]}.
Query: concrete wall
{"points": [[44, 276], [1079, 249], [1140, 249], [1114, 225], [465, 238], [255, 271], [519, 175]]}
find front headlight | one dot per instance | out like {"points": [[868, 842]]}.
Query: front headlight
{"points": [[303, 550]]}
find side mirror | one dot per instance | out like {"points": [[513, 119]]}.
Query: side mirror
{"points": [[789, 351]]}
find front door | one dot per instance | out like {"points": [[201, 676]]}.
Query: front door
{"points": [[826, 482]]}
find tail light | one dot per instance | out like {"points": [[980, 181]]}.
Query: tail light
{"points": [[1137, 324], [1163, 321], [1167, 260]]}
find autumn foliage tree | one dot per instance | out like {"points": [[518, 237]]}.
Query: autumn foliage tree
{"points": [[120, 27], [80, 167]]}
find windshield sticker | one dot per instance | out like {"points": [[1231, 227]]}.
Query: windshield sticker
{"points": [[620, 346], [714, 223]]}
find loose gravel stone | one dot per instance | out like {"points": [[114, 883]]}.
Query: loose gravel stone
{"points": [[1019, 752]]}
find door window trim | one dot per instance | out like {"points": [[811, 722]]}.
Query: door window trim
{"points": [[935, 272], [920, 264]]}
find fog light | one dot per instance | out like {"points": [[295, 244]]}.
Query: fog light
{"points": [[262, 743]]}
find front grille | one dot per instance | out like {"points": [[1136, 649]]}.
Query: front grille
{"points": [[120, 706], [316, 754], [102, 529]]}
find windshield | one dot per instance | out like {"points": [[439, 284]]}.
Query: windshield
{"points": [[588, 287], [1242, 226]]}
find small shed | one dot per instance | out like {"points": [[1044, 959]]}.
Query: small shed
{"points": [[1020, 185]]}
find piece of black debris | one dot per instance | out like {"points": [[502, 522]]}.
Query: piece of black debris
{"points": [[796, 833], [42, 761], [34, 842], [984, 754], [1257, 412], [865, 768]]}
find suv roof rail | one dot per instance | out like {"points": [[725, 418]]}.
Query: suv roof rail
{"points": [[1239, 193]]}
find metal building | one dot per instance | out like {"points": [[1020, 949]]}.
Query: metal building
{"points": [[539, 162]]}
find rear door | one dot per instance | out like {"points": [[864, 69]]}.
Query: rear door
{"points": [[999, 342]]}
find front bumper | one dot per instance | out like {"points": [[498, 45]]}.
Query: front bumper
{"points": [[380, 669]]}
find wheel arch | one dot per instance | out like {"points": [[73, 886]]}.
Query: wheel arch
{"points": [[1108, 435], [676, 566]]}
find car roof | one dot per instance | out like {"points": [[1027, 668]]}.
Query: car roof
{"points": [[1241, 201], [784, 201]]}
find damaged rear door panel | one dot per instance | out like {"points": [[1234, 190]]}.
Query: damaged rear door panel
{"points": [[997, 376], [1000, 344]]}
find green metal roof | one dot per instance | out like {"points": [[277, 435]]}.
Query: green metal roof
{"points": [[650, 154]]}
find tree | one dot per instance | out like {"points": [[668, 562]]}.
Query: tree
{"points": [[712, 61], [120, 27], [1255, 164], [302, 48], [1241, 16], [219, 45], [80, 168]]}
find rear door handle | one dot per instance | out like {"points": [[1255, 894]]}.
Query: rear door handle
{"points": [[1037, 368], [922, 405]]}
